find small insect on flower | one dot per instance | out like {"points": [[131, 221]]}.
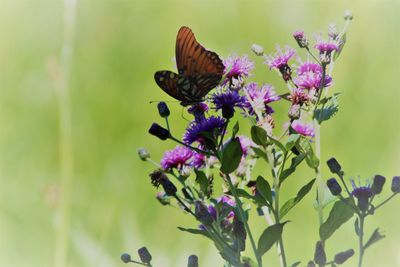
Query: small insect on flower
{"points": [[199, 70], [280, 60]]}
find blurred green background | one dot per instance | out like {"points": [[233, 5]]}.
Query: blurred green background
{"points": [[116, 47]]}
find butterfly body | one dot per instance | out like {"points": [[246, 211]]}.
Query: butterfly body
{"points": [[199, 70]]}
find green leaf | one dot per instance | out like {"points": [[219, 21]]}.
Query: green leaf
{"points": [[268, 238], [340, 213], [194, 231], [375, 237], [287, 172], [278, 144], [328, 110], [292, 141], [261, 153], [231, 156], [259, 135], [235, 130], [264, 189], [297, 263], [294, 201], [244, 193], [202, 180], [357, 227]]}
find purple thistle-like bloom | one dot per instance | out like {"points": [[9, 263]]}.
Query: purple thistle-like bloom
{"points": [[299, 96], [280, 58], [227, 101], [237, 67], [199, 160], [309, 76], [194, 133], [178, 157], [305, 129], [362, 193], [259, 98], [198, 110], [326, 47]]}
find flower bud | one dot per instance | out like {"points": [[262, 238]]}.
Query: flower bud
{"points": [[334, 166], [294, 112], [163, 109], [202, 214], [169, 187], [311, 264], [334, 187], [378, 183], [126, 258], [163, 198], [144, 255], [227, 111], [143, 153], [348, 15], [240, 233], [300, 38], [257, 49], [396, 184], [159, 131], [341, 257], [193, 261], [320, 256]]}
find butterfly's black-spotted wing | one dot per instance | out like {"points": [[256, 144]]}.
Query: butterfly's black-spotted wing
{"points": [[199, 70]]}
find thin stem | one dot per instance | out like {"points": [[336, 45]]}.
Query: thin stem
{"points": [[360, 240], [384, 202], [312, 55], [140, 263], [191, 147], [243, 219], [319, 180], [167, 122]]}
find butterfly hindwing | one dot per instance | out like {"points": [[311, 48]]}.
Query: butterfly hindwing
{"points": [[177, 86]]}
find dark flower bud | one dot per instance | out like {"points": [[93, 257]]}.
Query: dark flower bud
{"points": [[193, 261], [227, 111], [157, 177], [163, 109], [378, 183], [143, 153], [126, 258], [341, 257], [334, 187], [159, 131], [144, 255], [169, 187], [320, 256], [240, 233], [363, 195], [396, 184], [334, 166], [202, 214], [294, 112]]}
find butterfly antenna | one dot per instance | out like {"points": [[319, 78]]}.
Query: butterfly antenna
{"points": [[183, 115], [158, 101]]}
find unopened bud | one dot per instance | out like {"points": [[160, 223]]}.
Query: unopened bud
{"points": [[348, 15], [159, 131], [126, 258], [193, 261], [341, 257], [334, 166], [396, 184], [301, 39], [257, 49], [202, 214], [378, 183], [294, 112], [163, 109], [334, 186], [143, 153], [320, 256], [144, 255], [169, 187]]}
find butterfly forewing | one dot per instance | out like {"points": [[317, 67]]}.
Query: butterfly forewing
{"points": [[199, 70]]}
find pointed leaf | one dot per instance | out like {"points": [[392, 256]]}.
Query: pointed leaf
{"points": [[375, 237], [194, 231], [268, 238], [259, 136], [261, 153], [235, 130], [202, 180], [340, 213], [292, 141], [294, 201], [264, 189], [231, 156]]}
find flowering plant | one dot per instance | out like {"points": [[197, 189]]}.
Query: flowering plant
{"points": [[212, 148]]}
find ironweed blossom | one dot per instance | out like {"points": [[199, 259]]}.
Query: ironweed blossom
{"points": [[259, 98], [212, 126], [227, 101], [237, 67]]}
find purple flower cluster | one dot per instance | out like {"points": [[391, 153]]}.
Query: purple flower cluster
{"points": [[281, 58], [181, 157], [259, 98], [305, 129], [212, 126], [309, 77], [227, 101]]}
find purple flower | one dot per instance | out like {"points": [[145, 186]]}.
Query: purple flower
{"points": [[198, 160], [227, 101], [307, 67], [309, 76], [326, 47], [305, 129], [362, 193], [259, 98], [198, 110], [300, 38], [195, 132], [237, 67], [178, 157], [280, 59]]}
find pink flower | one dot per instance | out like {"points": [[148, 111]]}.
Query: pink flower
{"points": [[280, 59], [237, 67], [259, 98], [178, 157], [305, 129]]}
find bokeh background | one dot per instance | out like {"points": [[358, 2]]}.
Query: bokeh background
{"points": [[76, 79]]}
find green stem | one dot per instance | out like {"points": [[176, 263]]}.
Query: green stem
{"points": [[243, 219], [319, 180], [384, 202], [360, 240]]}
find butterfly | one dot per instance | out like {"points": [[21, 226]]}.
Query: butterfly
{"points": [[199, 70]]}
